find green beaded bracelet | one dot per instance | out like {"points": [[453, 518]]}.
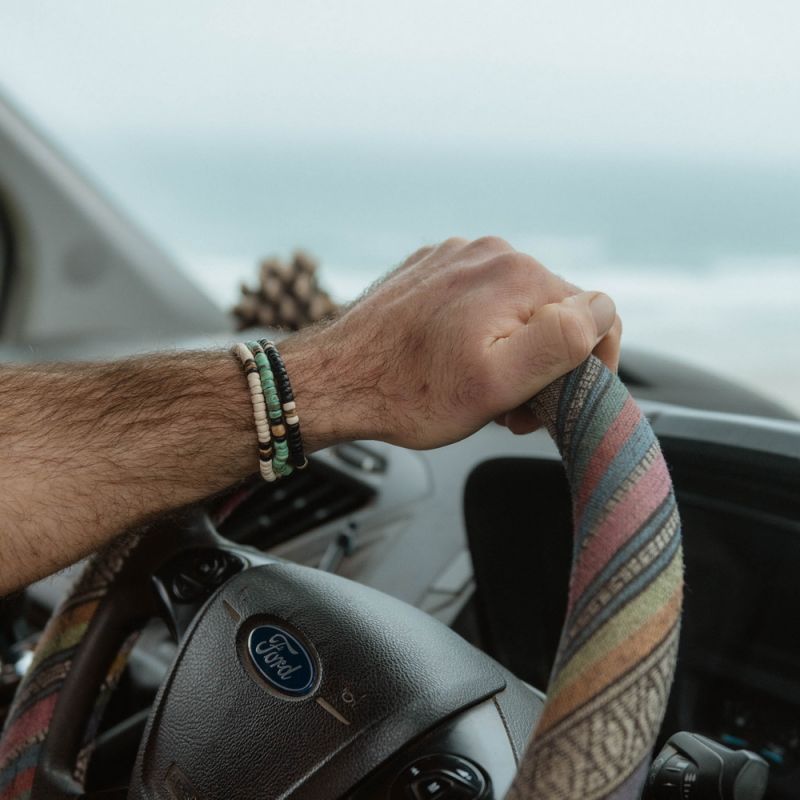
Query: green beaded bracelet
{"points": [[280, 458]]}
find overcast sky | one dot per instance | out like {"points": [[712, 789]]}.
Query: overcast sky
{"points": [[680, 77]]}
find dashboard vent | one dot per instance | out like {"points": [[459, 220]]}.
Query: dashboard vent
{"points": [[267, 514]]}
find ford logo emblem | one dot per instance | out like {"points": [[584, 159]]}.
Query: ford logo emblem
{"points": [[281, 660]]}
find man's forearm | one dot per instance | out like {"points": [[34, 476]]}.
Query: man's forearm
{"points": [[459, 334], [88, 450]]}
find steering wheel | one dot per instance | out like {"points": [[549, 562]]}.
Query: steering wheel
{"points": [[294, 683]]}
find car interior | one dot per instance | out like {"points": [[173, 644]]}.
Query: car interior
{"points": [[452, 555]]}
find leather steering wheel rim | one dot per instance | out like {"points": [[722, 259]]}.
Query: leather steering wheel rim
{"points": [[610, 683]]}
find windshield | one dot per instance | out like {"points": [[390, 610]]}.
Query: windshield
{"points": [[649, 151]]}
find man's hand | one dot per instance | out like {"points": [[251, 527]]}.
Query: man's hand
{"points": [[458, 335]]}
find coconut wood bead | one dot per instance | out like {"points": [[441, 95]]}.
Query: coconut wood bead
{"points": [[291, 418], [269, 387], [252, 375]]}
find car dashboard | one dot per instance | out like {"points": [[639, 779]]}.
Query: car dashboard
{"points": [[478, 535]]}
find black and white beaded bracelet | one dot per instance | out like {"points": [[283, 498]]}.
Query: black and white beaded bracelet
{"points": [[294, 438]]}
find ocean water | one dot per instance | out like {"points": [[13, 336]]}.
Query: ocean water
{"points": [[703, 259]]}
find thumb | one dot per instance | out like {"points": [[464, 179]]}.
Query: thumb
{"points": [[556, 339]]}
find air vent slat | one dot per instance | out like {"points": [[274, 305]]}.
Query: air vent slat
{"points": [[273, 513]]}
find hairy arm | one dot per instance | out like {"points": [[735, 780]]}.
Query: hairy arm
{"points": [[88, 450], [456, 336]]}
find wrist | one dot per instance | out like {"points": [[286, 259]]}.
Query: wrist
{"points": [[332, 401]]}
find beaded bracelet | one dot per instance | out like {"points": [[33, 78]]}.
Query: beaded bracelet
{"points": [[259, 411], [280, 461], [280, 444], [295, 439]]}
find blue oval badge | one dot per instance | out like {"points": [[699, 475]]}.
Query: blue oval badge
{"points": [[281, 660]]}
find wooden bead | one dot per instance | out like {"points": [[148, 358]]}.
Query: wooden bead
{"points": [[267, 471], [250, 366]]}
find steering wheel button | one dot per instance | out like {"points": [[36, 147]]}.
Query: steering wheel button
{"points": [[185, 589], [466, 773], [433, 787], [210, 567], [205, 567], [443, 776]]}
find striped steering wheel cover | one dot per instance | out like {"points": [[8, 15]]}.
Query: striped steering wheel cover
{"points": [[27, 725], [615, 661]]}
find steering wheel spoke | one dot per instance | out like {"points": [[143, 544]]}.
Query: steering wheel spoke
{"points": [[85, 646], [186, 579]]}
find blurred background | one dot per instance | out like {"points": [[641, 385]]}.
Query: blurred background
{"points": [[651, 150]]}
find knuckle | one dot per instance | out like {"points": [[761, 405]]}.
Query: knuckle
{"points": [[524, 263], [453, 243], [504, 265], [418, 255], [489, 243]]}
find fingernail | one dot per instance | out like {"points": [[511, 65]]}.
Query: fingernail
{"points": [[604, 312]]}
